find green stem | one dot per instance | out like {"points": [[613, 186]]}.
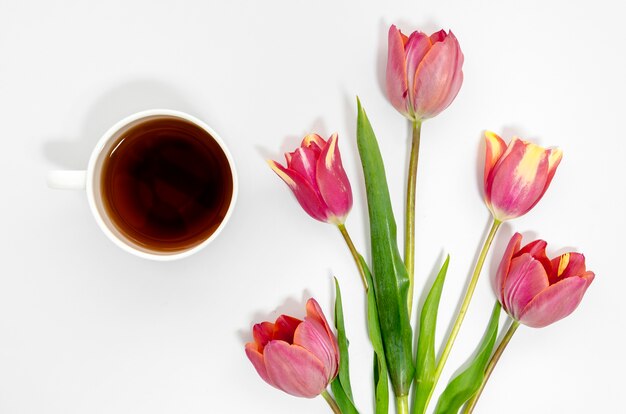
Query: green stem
{"points": [[469, 408], [466, 301], [355, 253], [331, 402], [409, 231], [402, 404]]}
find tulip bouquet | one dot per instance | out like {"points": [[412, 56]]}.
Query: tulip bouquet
{"points": [[305, 358]]}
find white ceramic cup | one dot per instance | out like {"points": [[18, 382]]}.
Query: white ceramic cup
{"points": [[90, 180]]}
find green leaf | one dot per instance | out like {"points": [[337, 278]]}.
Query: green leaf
{"points": [[342, 390], [390, 279], [425, 361], [343, 401], [381, 379], [464, 385]]}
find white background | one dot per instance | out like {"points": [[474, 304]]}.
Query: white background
{"points": [[88, 328]]}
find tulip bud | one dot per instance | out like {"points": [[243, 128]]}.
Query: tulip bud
{"points": [[316, 176], [298, 357], [517, 176], [424, 73], [535, 290]]}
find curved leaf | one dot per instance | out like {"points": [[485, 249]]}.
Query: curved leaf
{"points": [[343, 401], [425, 361], [390, 279], [342, 390], [464, 385], [381, 380]]}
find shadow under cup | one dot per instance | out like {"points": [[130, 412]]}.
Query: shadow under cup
{"points": [[165, 184]]}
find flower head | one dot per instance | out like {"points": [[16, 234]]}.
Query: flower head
{"points": [[424, 73], [315, 174], [538, 291], [298, 357], [517, 175]]}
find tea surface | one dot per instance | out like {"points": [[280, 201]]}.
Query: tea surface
{"points": [[166, 184]]}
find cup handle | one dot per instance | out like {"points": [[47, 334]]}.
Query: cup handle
{"points": [[67, 180]]}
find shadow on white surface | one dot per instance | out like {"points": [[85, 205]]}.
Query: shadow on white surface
{"points": [[486, 271], [292, 141], [357, 182], [119, 102], [497, 250], [480, 164], [290, 306]]}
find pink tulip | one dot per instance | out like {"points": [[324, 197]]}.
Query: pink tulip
{"points": [[298, 357], [423, 72], [535, 290], [517, 176], [316, 176]]}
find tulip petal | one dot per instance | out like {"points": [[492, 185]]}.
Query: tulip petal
{"points": [[314, 311], [518, 180], [555, 302], [304, 161], [263, 333], [312, 336], [534, 248], [537, 249], [285, 327], [417, 47], [495, 147], [332, 181], [396, 76], [567, 265], [505, 264], [258, 362], [314, 142], [554, 159], [588, 276], [294, 370], [405, 39], [438, 78], [526, 279], [306, 195], [439, 36]]}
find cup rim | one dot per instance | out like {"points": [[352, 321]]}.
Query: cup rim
{"points": [[91, 196]]}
